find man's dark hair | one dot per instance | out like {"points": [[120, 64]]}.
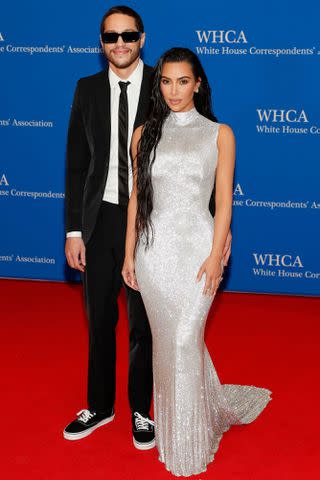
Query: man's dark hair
{"points": [[124, 10]]}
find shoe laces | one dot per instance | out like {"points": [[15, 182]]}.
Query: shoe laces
{"points": [[142, 423], [85, 415]]}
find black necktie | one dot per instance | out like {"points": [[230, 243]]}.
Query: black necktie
{"points": [[123, 145]]}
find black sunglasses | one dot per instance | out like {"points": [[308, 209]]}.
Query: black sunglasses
{"points": [[127, 37]]}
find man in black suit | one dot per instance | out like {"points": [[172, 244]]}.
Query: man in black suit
{"points": [[107, 108]]}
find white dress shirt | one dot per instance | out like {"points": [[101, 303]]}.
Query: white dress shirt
{"points": [[111, 191]]}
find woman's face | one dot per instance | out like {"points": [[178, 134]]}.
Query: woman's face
{"points": [[178, 85]]}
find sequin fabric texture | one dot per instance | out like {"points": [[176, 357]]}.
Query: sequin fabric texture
{"points": [[192, 409]]}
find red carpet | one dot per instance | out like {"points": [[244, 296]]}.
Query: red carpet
{"points": [[269, 341]]}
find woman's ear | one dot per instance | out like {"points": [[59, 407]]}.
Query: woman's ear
{"points": [[197, 85]]}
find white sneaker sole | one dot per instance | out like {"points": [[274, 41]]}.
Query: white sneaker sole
{"points": [[144, 446], [78, 436]]}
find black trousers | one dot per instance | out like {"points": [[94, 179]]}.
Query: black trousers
{"points": [[102, 281]]}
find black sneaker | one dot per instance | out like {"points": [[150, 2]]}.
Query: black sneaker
{"points": [[86, 423], [142, 431]]}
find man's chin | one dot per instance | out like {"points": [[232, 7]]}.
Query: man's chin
{"points": [[122, 62]]}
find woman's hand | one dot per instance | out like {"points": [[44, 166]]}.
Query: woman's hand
{"points": [[213, 269], [128, 273]]}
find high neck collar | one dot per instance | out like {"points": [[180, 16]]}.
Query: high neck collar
{"points": [[182, 118]]}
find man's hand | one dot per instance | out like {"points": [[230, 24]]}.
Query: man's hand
{"points": [[75, 251], [227, 249]]}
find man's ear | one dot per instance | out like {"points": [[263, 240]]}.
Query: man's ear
{"points": [[142, 39]]}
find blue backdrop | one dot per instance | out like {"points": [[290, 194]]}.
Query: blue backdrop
{"points": [[262, 61]]}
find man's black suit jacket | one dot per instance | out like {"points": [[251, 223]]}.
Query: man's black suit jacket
{"points": [[88, 148]]}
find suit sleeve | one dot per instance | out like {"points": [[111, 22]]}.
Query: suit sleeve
{"points": [[78, 159]]}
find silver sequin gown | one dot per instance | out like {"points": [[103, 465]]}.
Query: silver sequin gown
{"points": [[191, 408]]}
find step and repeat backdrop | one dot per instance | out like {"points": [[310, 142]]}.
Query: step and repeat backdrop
{"points": [[262, 61]]}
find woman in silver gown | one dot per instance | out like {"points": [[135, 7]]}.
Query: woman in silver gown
{"points": [[174, 256]]}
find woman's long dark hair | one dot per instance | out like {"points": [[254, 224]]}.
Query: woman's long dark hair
{"points": [[152, 131]]}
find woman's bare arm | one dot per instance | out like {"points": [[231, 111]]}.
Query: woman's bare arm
{"points": [[213, 265], [224, 188]]}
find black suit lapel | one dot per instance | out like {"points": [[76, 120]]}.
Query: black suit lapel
{"points": [[103, 104], [103, 122], [144, 98]]}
